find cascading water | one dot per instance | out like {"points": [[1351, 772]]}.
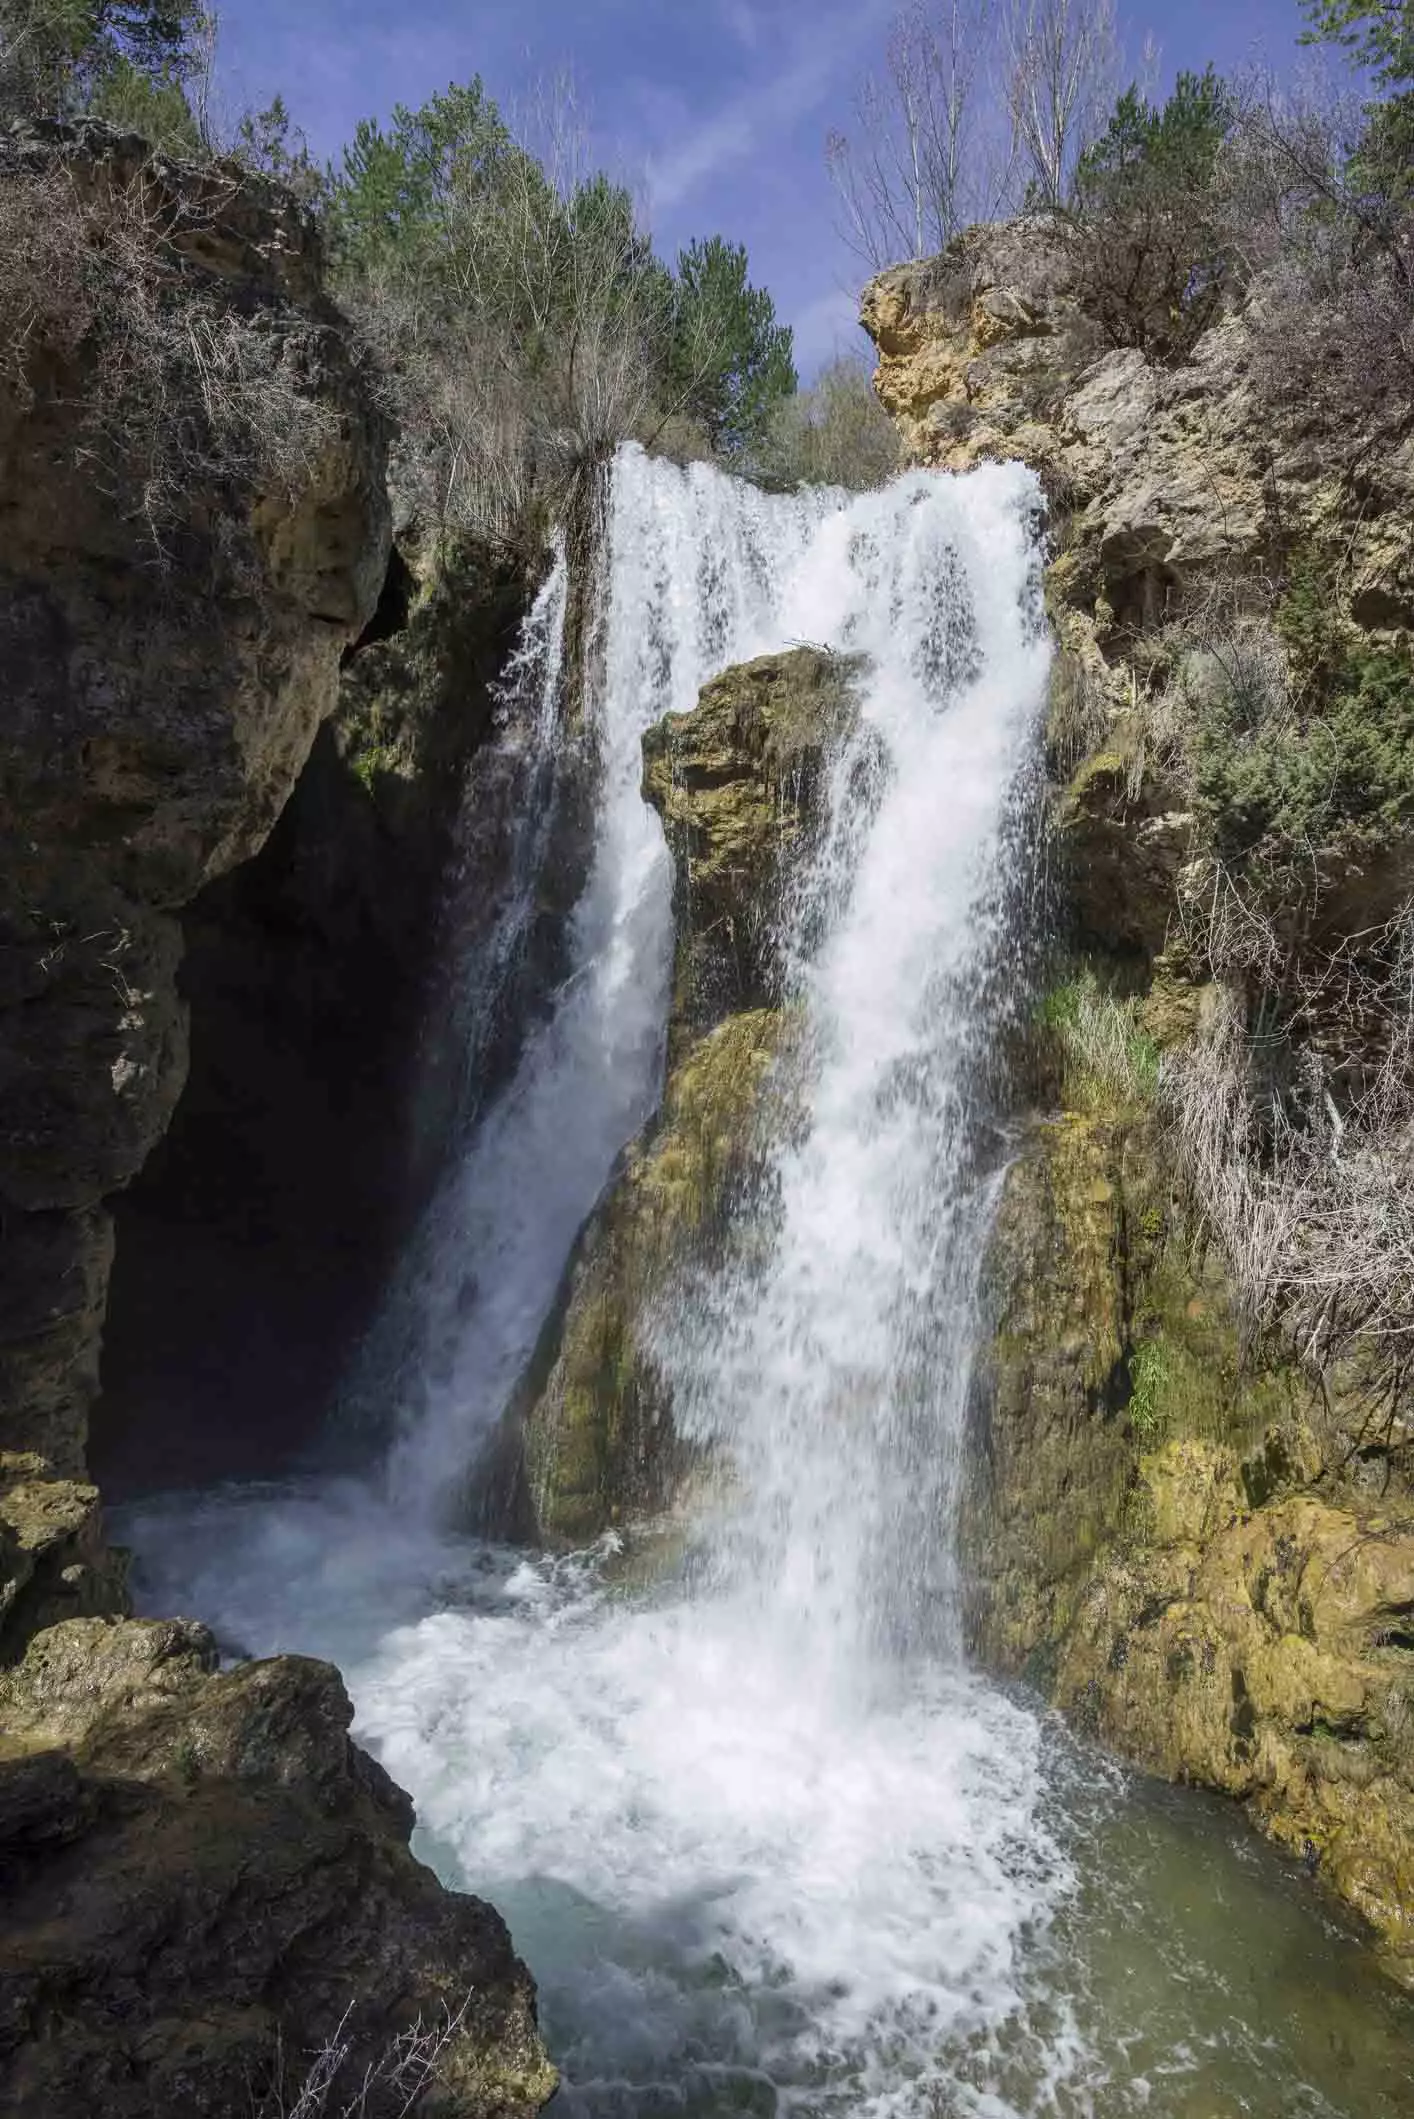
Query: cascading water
{"points": [[765, 1842]]}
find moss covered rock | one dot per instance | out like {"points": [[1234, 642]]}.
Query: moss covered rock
{"points": [[53, 1562], [600, 1447], [740, 785], [1150, 1534]]}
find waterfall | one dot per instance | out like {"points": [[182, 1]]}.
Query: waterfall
{"points": [[758, 1831], [837, 1376], [768, 1846]]}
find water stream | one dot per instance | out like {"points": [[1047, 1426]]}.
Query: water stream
{"points": [[766, 1842]]}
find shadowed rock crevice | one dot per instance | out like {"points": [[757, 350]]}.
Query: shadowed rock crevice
{"points": [[253, 1248]]}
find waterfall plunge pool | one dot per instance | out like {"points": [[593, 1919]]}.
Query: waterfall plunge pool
{"points": [[743, 1893]]}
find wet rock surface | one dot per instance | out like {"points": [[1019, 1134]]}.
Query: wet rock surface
{"points": [[207, 1884], [739, 784]]}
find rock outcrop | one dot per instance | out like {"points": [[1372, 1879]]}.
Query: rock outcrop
{"points": [[166, 676], [739, 783], [206, 1884], [1159, 1530]]}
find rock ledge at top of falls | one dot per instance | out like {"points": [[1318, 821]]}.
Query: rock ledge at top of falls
{"points": [[1157, 1529], [201, 1873], [1158, 475], [739, 783]]}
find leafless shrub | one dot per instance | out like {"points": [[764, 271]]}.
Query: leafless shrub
{"points": [[1064, 64], [178, 389], [836, 433], [1330, 261], [1303, 1164], [390, 2086], [46, 295], [928, 150]]}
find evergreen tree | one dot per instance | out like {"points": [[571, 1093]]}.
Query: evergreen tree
{"points": [[1380, 36], [1153, 254], [730, 363], [124, 59], [394, 195], [270, 141]]}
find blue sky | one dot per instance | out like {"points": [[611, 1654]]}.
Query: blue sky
{"points": [[715, 109]]}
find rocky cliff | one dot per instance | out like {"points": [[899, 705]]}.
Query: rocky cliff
{"points": [[206, 1883], [1190, 1522], [737, 783]]}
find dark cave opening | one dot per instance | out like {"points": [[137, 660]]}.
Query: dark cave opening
{"points": [[252, 1247]]}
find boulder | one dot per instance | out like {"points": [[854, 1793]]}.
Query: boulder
{"points": [[207, 1886], [740, 783]]}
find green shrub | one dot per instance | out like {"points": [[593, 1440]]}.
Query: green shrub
{"points": [[835, 433], [1148, 1376], [1334, 771]]}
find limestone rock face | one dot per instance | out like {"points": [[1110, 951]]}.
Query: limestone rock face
{"points": [[203, 1875], [53, 1562], [1151, 1537], [739, 784], [1157, 1530], [1157, 476], [165, 675]]}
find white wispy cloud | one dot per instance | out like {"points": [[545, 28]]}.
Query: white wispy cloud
{"points": [[743, 21], [788, 88]]}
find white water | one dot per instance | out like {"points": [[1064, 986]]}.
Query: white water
{"points": [[762, 1838]]}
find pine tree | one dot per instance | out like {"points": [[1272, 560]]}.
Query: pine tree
{"points": [[730, 362]]}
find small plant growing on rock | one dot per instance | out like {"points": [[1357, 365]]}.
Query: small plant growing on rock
{"points": [[1110, 1059], [1148, 1375], [390, 2086]]}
